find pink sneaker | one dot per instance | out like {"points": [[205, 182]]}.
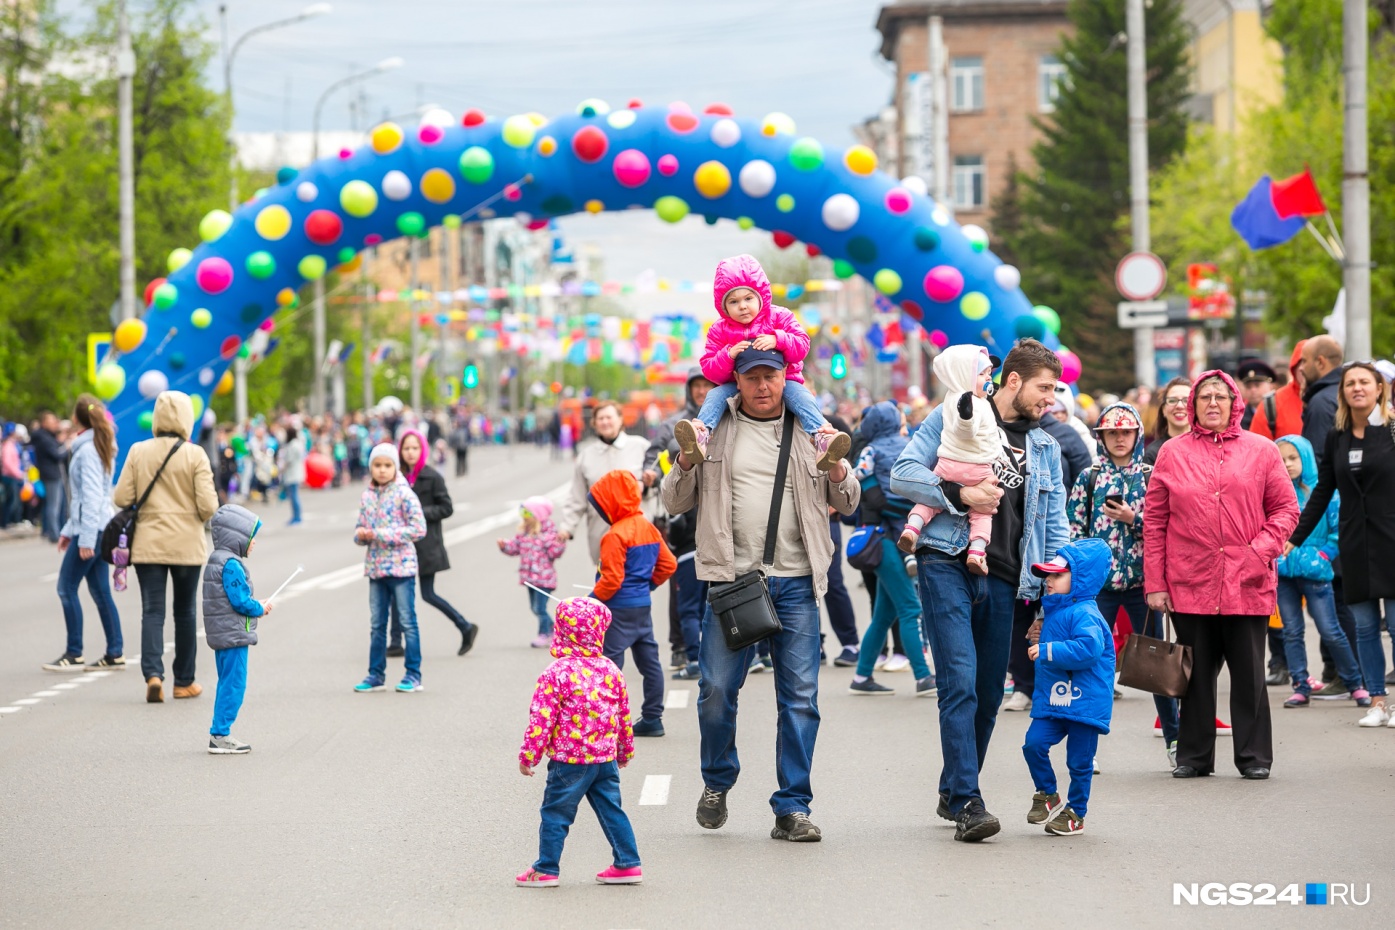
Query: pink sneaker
{"points": [[532, 878], [1362, 697], [1222, 728], [977, 562], [691, 436], [541, 641], [831, 447], [614, 876]]}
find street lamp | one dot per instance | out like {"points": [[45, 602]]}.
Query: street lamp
{"points": [[387, 64]]}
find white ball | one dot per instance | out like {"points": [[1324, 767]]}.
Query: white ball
{"points": [[396, 186], [726, 133], [152, 384], [757, 178], [940, 217], [840, 212], [437, 117], [975, 234], [206, 377], [916, 185], [1008, 277], [306, 192]]}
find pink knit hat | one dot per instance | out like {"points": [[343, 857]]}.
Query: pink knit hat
{"points": [[539, 507]]}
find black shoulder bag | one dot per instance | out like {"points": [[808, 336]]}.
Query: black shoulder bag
{"points": [[120, 531], [743, 607]]}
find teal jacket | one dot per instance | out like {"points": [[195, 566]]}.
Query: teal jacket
{"points": [[1311, 561]]}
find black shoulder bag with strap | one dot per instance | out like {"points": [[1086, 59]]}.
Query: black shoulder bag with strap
{"points": [[743, 607], [124, 523]]}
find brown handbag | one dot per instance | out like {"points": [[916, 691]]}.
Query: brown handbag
{"points": [[1159, 666]]}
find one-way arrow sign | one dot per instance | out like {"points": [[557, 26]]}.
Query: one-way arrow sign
{"points": [[1134, 314]]}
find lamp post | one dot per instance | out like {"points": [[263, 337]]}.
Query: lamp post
{"points": [[125, 74], [387, 64]]}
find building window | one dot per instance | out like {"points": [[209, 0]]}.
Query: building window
{"points": [[1051, 74], [969, 181], [966, 84]]}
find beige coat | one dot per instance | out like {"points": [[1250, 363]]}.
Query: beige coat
{"points": [[710, 482], [169, 530]]}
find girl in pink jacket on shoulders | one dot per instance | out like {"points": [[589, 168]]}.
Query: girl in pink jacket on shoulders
{"points": [[749, 320]]}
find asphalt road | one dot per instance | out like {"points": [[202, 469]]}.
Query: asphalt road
{"points": [[408, 810]]}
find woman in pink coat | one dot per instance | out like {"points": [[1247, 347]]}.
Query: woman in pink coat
{"points": [[1219, 508]]}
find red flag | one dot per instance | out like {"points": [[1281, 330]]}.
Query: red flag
{"points": [[1297, 196]]}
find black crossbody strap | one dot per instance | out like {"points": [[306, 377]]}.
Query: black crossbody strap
{"points": [[160, 471], [782, 470]]}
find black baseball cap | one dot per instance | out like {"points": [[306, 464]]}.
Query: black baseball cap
{"points": [[759, 358]]}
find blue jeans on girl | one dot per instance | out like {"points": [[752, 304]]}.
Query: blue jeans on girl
{"points": [[537, 603], [232, 686], [70, 576], [1368, 645], [401, 593], [567, 784], [293, 495], [797, 397], [1292, 593], [1081, 742]]}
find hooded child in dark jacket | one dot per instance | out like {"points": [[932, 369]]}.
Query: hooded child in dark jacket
{"points": [[230, 615], [1074, 697]]}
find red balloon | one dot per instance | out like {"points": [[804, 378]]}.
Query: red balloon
{"points": [[590, 144], [682, 122], [150, 290], [783, 239], [323, 227], [472, 118], [812, 249], [718, 109], [319, 470], [913, 309], [229, 347], [634, 104]]}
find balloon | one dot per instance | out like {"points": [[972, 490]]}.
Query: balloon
{"points": [[261, 265], [214, 275], [319, 470], [668, 166], [150, 289], [411, 224], [1029, 327], [472, 118], [590, 144], [33, 473], [358, 198], [518, 132], [26, 493], [1048, 316], [311, 267], [476, 164], [201, 318], [129, 335], [898, 200], [214, 224], [726, 133], [887, 281], [860, 160], [225, 384], [671, 209], [111, 381], [305, 192], [842, 269], [974, 305], [1007, 277], [784, 203], [273, 222], [840, 212], [806, 155], [386, 138], [593, 106], [178, 259], [977, 236], [146, 421], [777, 124], [631, 167], [712, 179], [152, 383], [1070, 365], [943, 283], [437, 186], [239, 445], [396, 185], [756, 178]]}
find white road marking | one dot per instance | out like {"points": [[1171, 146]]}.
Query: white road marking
{"points": [[66, 686], [44, 694], [49, 578], [10, 710], [25, 702], [677, 698], [655, 790], [104, 673]]}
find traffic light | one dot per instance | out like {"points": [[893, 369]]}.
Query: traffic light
{"points": [[838, 366], [472, 376]]}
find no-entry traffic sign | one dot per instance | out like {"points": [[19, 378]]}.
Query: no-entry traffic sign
{"points": [[1140, 276]]}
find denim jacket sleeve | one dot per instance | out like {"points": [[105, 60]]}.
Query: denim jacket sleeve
{"points": [[1057, 526], [913, 475]]}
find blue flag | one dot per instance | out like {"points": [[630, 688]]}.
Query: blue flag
{"points": [[1258, 222]]}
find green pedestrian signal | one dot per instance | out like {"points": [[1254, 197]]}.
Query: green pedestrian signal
{"points": [[472, 376], [838, 366]]}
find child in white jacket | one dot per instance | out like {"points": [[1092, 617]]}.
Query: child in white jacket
{"points": [[969, 444]]}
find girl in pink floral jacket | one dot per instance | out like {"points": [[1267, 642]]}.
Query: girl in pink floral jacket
{"points": [[537, 545], [580, 719]]}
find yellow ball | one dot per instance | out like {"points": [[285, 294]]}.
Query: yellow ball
{"points": [[537, 119], [33, 473], [712, 179], [386, 138], [358, 198], [201, 318], [129, 335], [777, 124], [178, 259], [437, 186], [225, 384], [196, 402], [860, 160], [273, 222], [974, 305], [594, 206], [547, 146], [518, 131], [111, 381], [214, 224], [285, 297], [352, 264]]}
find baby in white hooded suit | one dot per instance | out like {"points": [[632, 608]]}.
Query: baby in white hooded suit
{"points": [[969, 443]]}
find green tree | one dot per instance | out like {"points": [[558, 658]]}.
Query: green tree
{"points": [[1070, 239]]}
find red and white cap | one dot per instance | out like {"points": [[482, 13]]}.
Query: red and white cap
{"points": [[1053, 567]]}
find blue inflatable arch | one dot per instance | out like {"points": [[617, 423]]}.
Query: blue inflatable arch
{"points": [[666, 158]]}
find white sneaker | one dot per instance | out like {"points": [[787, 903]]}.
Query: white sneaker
{"points": [[1018, 701], [897, 663], [227, 746], [881, 661], [1172, 754], [1377, 716], [1391, 724], [1096, 764]]}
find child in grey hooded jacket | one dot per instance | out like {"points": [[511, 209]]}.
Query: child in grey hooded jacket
{"points": [[230, 618]]}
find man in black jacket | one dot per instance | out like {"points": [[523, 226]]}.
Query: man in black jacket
{"points": [[50, 458], [1322, 372]]}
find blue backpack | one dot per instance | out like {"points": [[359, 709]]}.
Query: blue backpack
{"points": [[865, 547]]}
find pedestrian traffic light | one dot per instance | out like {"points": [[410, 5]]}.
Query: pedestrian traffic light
{"points": [[838, 366], [472, 376]]}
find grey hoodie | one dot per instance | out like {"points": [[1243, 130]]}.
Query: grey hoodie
{"points": [[224, 627]]}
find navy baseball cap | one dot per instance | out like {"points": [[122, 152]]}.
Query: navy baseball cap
{"points": [[758, 358]]}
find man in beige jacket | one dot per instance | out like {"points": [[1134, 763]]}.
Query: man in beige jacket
{"points": [[732, 489], [170, 543]]}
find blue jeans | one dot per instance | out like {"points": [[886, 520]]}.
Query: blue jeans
{"points": [[1292, 593], [567, 784], [690, 595], [232, 685], [632, 628], [1081, 742], [798, 397], [896, 603], [968, 620], [53, 509], [293, 495], [537, 603], [10, 505], [1368, 645], [401, 593], [795, 652], [1148, 624], [70, 576]]}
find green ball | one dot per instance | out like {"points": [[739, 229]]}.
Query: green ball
{"points": [[243, 351], [111, 381], [1050, 317], [166, 296], [201, 318], [887, 281], [476, 164], [311, 267], [177, 360], [806, 154], [146, 421], [214, 224], [711, 219], [745, 222], [411, 224], [346, 255], [926, 239], [358, 198], [239, 446], [974, 305], [843, 269], [671, 209], [451, 221], [261, 265], [1029, 327], [285, 174], [862, 249], [178, 259], [784, 203]]}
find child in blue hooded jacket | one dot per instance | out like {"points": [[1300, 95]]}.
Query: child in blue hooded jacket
{"points": [[1305, 573], [1074, 697], [230, 615]]}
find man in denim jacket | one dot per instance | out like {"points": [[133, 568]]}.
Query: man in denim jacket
{"points": [[969, 617]]}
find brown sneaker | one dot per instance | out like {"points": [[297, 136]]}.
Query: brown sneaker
{"points": [[154, 690], [906, 542], [977, 562], [691, 436], [192, 690], [831, 447], [1044, 807]]}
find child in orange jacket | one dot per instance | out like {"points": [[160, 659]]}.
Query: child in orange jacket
{"points": [[634, 561]]}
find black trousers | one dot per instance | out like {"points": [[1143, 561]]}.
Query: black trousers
{"points": [[1237, 642], [154, 580], [1023, 669]]}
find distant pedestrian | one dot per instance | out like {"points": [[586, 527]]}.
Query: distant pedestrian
{"points": [[585, 732], [230, 615], [49, 458], [538, 546], [1322, 373], [291, 468], [612, 448]]}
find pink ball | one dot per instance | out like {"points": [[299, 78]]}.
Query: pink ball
{"points": [[372, 239], [430, 135], [535, 225], [267, 325], [898, 200], [668, 166], [938, 337], [943, 283], [214, 275], [1070, 366], [631, 168], [346, 154]]}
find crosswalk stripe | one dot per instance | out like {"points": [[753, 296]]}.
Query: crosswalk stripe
{"points": [[655, 790]]}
